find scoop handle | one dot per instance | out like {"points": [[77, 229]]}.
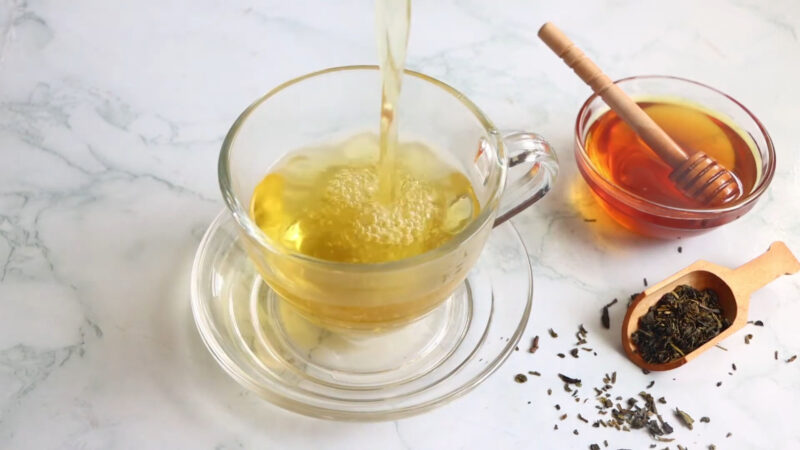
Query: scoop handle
{"points": [[666, 148], [776, 261]]}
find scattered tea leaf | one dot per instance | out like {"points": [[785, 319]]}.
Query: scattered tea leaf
{"points": [[791, 359], [686, 419], [553, 334], [662, 400], [574, 352], [729, 434], [604, 318], [534, 373], [558, 407], [719, 383], [534, 344], [747, 338], [575, 432], [563, 416], [680, 249], [520, 378], [651, 384], [776, 355], [594, 447], [645, 281], [721, 347], [705, 419], [569, 380], [549, 391], [733, 365], [561, 355]]}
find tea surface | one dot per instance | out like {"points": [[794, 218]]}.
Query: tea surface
{"points": [[322, 202]]}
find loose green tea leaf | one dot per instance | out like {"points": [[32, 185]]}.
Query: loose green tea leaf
{"points": [[569, 380], [520, 378], [747, 338], [534, 344], [686, 419], [705, 419], [604, 318], [553, 334], [681, 321]]}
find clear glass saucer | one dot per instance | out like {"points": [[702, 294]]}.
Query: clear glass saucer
{"points": [[271, 350]]}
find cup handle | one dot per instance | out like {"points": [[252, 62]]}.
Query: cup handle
{"points": [[532, 169]]}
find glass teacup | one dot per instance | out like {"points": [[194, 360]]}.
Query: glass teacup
{"points": [[508, 172]]}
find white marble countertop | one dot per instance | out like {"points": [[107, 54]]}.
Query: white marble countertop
{"points": [[111, 119]]}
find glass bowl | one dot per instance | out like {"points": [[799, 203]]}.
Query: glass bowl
{"points": [[664, 221]]}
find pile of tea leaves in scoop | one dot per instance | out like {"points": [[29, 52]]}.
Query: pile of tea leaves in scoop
{"points": [[680, 322]]}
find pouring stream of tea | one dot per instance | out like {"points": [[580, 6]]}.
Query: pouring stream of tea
{"points": [[696, 175], [392, 21], [732, 286]]}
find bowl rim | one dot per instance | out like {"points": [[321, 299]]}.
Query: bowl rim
{"points": [[660, 209]]}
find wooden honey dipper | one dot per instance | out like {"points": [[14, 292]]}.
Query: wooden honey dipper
{"points": [[697, 176]]}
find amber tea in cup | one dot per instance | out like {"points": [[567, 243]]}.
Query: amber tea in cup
{"points": [[298, 171]]}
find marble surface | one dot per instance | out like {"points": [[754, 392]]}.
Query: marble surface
{"points": [[111, 119]]}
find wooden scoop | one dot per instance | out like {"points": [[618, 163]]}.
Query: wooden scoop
{"points": [[733, 287], [696, 175]]}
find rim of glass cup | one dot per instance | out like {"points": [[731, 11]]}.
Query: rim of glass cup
{"points": [[243, 218], [660, 209]]}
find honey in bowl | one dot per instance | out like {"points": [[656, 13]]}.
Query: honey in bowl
{"points": [[622, 158], [632, 183]]}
